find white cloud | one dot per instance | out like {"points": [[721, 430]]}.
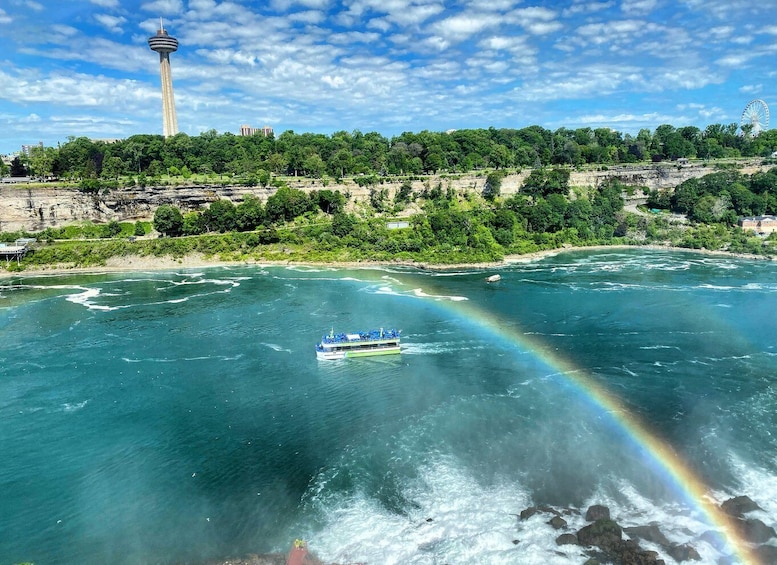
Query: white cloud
{"points": [[286, 5], [308, 16], [460, 27], [106, 3], [334, 82], [625, 118], [492, 5], [751, 89], [399, 12], [164, 7], [735, 60], [351, 37], [32, 5], [721, 32], [5, 18], [586, 7], [111, 23], [638, 7], [535, 20], [502, 43], [543, 28]]}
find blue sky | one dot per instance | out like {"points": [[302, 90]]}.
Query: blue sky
{"points": [[83, 67]]}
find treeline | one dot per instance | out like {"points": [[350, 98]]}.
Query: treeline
{"points": [[721, 197], [452, 226], [468, 227], [253, 159]]}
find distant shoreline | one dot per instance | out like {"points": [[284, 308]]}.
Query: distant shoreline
{"points": [[136, 263]]}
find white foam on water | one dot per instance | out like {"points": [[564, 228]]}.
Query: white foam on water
{"points": [[414, 293], [455, 273], [451, 519], [708, 286], [75, 407], [421, 294], [86, 298], [309, 269], [419, 348], [759, 484], [680, 524], [276, 347]]}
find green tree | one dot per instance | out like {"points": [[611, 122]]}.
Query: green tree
{"points": [[193, 224], [111, 229], [493, 185], [168, 220], [287, 204], [249, 213], [140, 231], [330, 201], [221, 216], [17, 168], [42, 161]]}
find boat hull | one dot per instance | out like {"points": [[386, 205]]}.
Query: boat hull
{"points": [[333, 355]]}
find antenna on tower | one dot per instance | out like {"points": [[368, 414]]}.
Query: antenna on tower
{"points": [[161, 25]]}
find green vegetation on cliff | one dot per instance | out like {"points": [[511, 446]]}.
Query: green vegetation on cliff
{"points": [[141, 160], [445, 226]]}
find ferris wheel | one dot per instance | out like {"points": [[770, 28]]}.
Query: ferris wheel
{"points": [[755, 115]]}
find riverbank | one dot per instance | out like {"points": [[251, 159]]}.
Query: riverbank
{"points": [[136, 263]]}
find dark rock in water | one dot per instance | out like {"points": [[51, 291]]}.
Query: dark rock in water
{"points": [[528, 512], [755, 531], [532, 510], [558, 522], [767, 554], [603, 533], [592, 561], [713, 539], [739, 505], [597, 512], [649, 533], [606, 535], [630, 553], [683, 552], [566, 539]]}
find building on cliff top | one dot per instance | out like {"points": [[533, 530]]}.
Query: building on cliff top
{"points": [[762, 225]]}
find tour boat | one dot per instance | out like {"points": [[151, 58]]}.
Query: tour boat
{"points": [[363, 344]]}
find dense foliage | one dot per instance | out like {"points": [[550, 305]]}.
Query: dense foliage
{"points": [[147, 158], [721, 197], [450, 226]]}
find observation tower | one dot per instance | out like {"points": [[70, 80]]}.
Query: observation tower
{"points": [[164, 44]]}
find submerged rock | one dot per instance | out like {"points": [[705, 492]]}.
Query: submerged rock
{"points": [[597, 512], [739, 505], [684, 552], [649, 533], [755, 531], [567, 539], [532, 510], [603, 533], [557, 522], [766, 553]]}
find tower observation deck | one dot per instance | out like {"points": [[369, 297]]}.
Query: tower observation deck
{"points": [[164, 44]]}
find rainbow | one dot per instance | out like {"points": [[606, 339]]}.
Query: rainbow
{"points": [[660, 456]]}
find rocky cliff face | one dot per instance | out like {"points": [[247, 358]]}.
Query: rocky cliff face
{"points": [[35, 209]]}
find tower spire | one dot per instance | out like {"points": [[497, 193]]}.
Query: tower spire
{"points": [[164, 44]]}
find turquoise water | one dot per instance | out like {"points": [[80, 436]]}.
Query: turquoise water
{"points": [[172, 417]]}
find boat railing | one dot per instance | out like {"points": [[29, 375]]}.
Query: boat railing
{"points": [[373, 335]]}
